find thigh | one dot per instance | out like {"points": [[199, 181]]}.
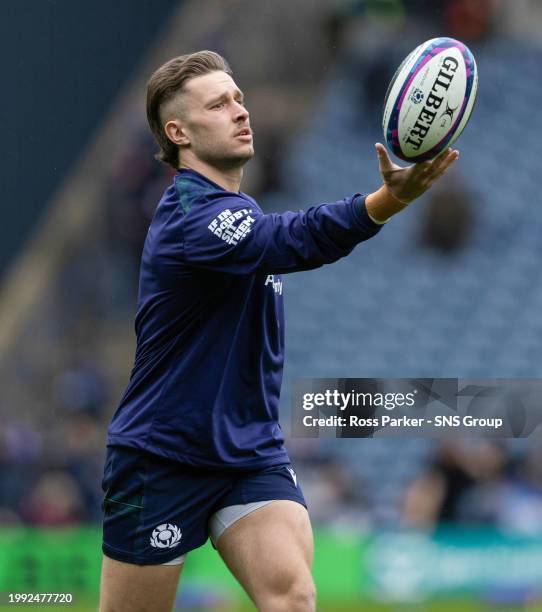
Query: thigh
{"points": [[126, 587], [270, 552]]}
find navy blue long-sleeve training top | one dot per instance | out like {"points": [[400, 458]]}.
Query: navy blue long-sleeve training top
{"points": [[204, 389]]}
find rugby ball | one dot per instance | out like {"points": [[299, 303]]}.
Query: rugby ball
{"points": [[430, 99]]}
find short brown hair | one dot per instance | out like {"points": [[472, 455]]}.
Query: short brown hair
{"points": [[165, 83]]}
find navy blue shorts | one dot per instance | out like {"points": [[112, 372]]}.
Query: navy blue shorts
{"points": [[156, 509]]}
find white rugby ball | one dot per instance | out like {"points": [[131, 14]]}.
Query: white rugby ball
{"points": [[430, 99]]}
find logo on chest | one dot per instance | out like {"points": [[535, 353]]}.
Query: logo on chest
{"points": [[276, 284]]}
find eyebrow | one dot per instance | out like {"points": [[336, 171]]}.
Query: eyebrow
{"points": [[223, 96]]}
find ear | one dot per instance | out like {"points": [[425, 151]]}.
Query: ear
{"points": [[176, 133]]}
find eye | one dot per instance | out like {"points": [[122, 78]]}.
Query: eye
{"points": [[218, 105]]}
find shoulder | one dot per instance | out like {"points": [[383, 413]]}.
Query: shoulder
{"points": [[211, 207], [228, 217]]}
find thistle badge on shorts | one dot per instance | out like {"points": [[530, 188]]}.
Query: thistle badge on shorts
{"points": [[166, 536]]}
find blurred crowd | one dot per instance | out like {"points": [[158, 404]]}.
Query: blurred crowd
{"points": [[72, 364], [475, 483]]}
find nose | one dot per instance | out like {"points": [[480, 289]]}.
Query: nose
{"points": [[240, 112]]}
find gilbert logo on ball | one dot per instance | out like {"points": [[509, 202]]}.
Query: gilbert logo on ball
{"points": [[430, 99]]}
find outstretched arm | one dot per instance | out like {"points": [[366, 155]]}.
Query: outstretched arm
{"points": [[402, 185], [231, 234]]}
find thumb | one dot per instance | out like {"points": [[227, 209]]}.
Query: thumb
{"points": [[384, 160]]}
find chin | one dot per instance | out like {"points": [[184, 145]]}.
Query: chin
{"points": [[240, 159], [230, 159]]}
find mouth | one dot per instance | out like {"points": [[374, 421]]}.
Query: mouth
{"points": [[244, 134]]}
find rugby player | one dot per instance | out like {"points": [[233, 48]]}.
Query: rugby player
{"points": [[195, 449]]}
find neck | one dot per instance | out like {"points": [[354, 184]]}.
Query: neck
{"points": [[228, 178]]}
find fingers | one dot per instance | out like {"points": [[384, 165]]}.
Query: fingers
{"points": [[441, 163], [384, 160], [442, 155]]}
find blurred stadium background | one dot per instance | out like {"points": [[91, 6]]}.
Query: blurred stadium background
{"points": [[450, 288]]}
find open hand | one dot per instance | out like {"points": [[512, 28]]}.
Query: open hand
{"points": [[407, 184]]}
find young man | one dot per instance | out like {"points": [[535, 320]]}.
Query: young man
{"points": [[195, 447]]}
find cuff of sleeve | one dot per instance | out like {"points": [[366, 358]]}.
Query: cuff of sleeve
{"points": [[377, 222], [363, 218]]}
